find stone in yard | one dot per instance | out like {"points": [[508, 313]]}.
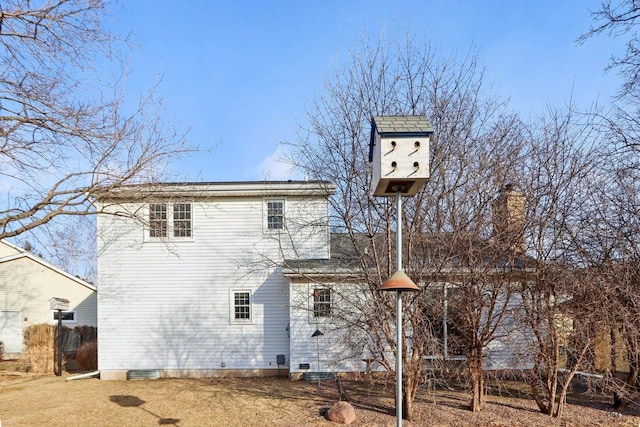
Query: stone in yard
{"points": [[341, 412]]}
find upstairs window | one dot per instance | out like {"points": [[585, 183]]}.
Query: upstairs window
{"points": [[157, 220], [175, 220], [321, 302], [275, 214], [182, 220]]}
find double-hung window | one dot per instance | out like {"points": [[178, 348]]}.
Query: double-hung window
{"points": [[182, 220], [170, 219], [241, 306], [321, 302], [275, 214], [158, 220]]}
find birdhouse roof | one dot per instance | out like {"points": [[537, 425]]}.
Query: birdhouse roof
{"points": [[411, 125]]}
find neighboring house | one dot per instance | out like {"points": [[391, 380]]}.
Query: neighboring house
{"points": [[27, 283], [190, 276]]}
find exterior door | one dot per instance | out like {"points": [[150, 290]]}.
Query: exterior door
{"points": [[11, 331]]}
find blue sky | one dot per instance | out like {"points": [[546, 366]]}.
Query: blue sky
{"points": [[239, 74]]}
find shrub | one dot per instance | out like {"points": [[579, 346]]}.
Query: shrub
{"points": [[1, 350], [87, 356], [86, 334], [41, 349]]}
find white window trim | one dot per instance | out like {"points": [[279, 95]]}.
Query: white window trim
{"points": [[170, 236], [265, 216], [232, 306], [65, 322]]}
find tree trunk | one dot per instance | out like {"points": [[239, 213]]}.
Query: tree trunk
{"points": [[477, 380], [620, 400], [408, 395], [407, 407]]}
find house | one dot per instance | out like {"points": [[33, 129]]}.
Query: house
{"points": [[237, 278], [190, 275], [27, 283]]}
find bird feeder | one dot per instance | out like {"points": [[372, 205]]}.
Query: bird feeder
{"points": [[399, 153]]}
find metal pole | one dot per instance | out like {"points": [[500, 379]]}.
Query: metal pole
{"points": [[399, 312], [399, 231], [445, 328], [318, 354], [59, 343]]}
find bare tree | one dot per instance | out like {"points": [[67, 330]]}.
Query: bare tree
{"points": [[610, 240], [610, 245], [558, 178], [617, 19], [448, 224], [65, 127]]}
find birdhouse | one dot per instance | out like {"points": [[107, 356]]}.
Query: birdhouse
{"points": [[56, 303], [399, 153]]}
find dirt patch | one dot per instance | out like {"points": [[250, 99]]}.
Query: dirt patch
{"points": [[36, 400]]}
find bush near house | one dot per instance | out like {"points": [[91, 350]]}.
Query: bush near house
{"points": [[73, 339], [87, 356], [1, 350]]}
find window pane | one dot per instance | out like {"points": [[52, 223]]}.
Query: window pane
{"points": [[242, 305], [275, 215], [157, 220], [321, 302], [182, 220]]}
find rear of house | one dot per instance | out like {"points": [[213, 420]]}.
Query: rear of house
{"points": [[190, 276]]}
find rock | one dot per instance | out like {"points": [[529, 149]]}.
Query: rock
{"points": [[341, 412]]}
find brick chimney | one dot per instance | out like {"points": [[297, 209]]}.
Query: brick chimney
{"points": [[508, 218]]}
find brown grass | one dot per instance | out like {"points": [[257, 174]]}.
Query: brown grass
{"points": [[35, 400]]}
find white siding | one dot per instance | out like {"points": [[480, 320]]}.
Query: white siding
{"points": [[514, 346], [166, 304], [340, 349]]}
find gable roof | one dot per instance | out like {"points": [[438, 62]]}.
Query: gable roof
{"points": [[26, 254]]}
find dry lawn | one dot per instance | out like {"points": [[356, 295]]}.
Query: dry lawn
{"points": [[38, 400]]}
